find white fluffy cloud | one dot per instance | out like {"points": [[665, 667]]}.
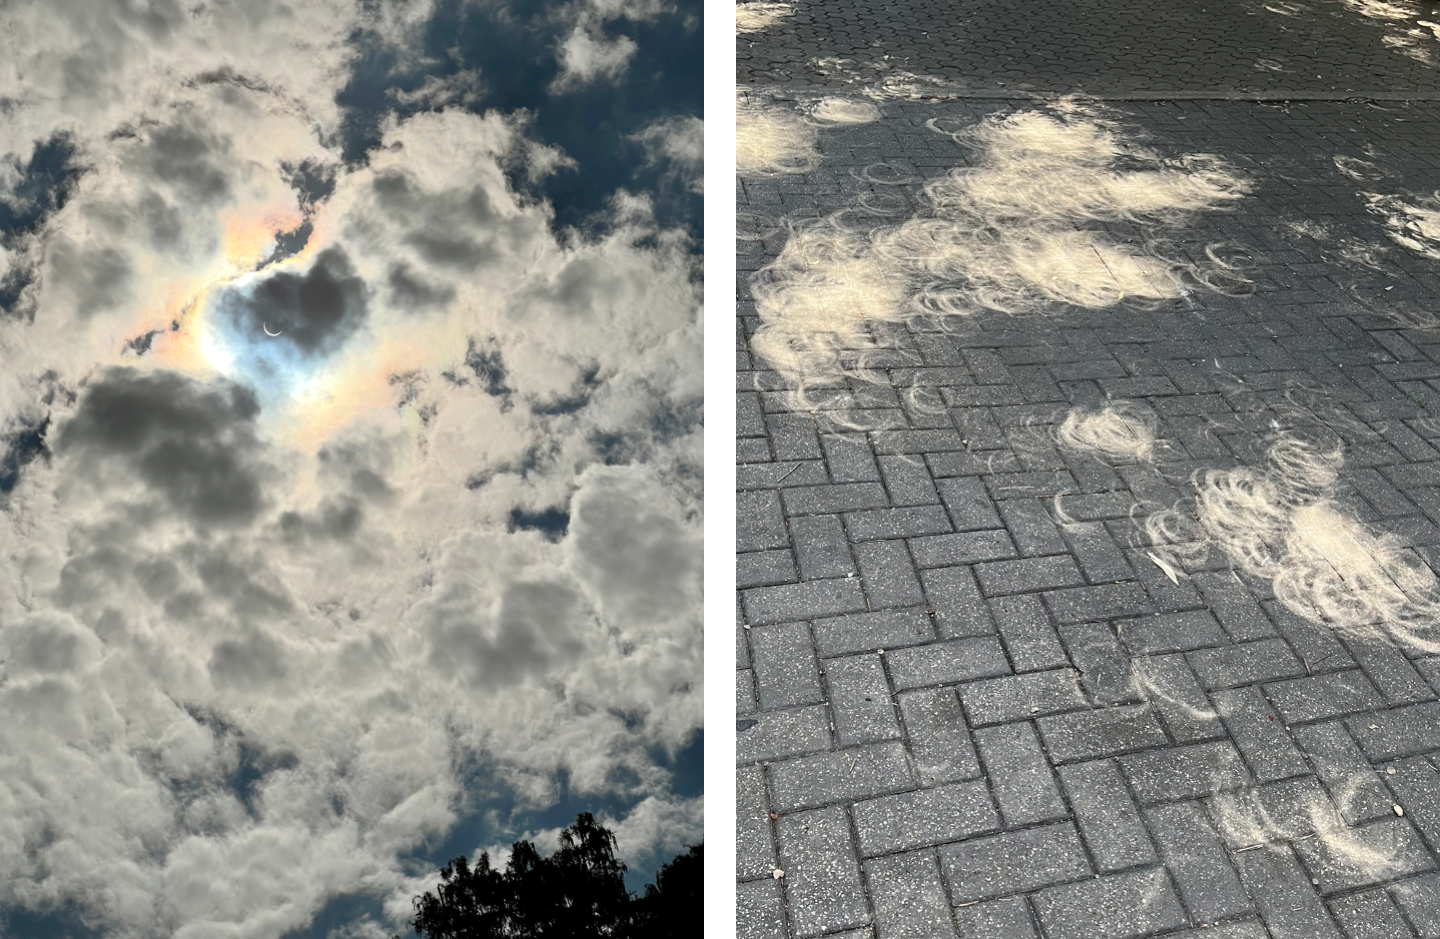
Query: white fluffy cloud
{"points": [[266, 597]]}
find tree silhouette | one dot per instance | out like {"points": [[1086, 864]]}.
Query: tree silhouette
{"points": [[576, 893], [673, 906]]}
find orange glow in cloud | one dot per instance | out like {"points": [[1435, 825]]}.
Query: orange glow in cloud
{"points": [[357, 385], [250, 232]]}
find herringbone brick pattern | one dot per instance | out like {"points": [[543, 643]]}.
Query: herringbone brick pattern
{"points": [[1095, 46], [970, 704]]}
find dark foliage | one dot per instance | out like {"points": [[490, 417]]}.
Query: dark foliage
{"points": [[576, 893]]}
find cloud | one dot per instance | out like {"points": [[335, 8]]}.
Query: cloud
{"points": [[586, 56], [193, 447], [326, 485], [680, 141]]}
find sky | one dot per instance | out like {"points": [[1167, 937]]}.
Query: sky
{"points": [[350, 451]]}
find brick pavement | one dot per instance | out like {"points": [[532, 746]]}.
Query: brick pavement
{"points": [[1095, 46], [967, 708]]}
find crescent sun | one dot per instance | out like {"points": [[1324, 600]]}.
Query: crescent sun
{"points": [[266, 327]]}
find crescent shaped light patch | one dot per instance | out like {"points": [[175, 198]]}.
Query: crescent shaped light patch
{"points": [[266, 327]]}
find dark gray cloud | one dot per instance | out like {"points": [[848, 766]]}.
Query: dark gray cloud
{"points": [[97, 277], [536, 627], [193, 445], [410, 292], [252, 661], [180, 155], [456, 230], [312, 313]]}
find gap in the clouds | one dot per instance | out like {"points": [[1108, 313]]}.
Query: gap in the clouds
{"points": [[513, 47], [552, 523], [20, 448], [46, 182], [64, 922]]}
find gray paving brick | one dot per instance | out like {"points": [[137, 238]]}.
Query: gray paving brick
{"points": [[745, 700], [925, 817], [860, 700], [1108, 819], [1105, 669], [968, 503], [1115, 906], [1030, 485], [1030, 525], [1022, 697], [1026, 575], [791, 602], [821, 547], [1416, 786], [1430, 668], [1345, 860], [1007, 918], [754, 841], [762, 475], [1318, 648], [833, 499], [1346, 773], [916, 441], [1172, 632], [909, 897], [1013, 862], [1088, 735], [1262, 739], [1419, 899], [764, 568], [1227, 666], [1030, 640], [1319, 697], [888, 575], [866, 632], [1289, 906], [749, 419], [1248, 929], [908, 480], [1370, 915], [1397, 732], [1391, 672], [759, 523], [1097, 604], [1197, 860], [823, 888], [793, 436], [1233, 606], [760, 910], [771, 735], [946, 663], [964, 548], [977, 461], [1019, 774], [1098, 555], [862, 772], [904, 522], [938, 738], [849, 458], [784, 666], [1184, 772], [960, 611], [1172, 689]]}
